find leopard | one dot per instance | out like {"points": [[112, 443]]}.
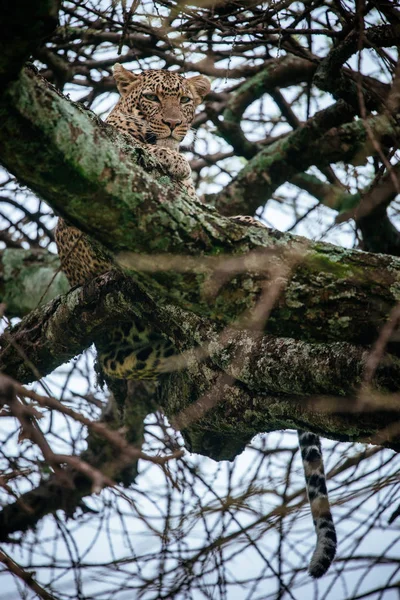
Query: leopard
{"points": [[156, 109]]}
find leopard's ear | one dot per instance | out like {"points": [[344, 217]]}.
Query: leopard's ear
{"points": [[200, 84], [123, 78]]}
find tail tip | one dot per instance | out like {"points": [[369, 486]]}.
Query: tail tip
{"points": [[319, 569], [320, 564]]}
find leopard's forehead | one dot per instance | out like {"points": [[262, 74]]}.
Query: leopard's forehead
{"points": [[164, 81]]}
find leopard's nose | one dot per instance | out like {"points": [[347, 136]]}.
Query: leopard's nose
{"points": [[172, 123]]}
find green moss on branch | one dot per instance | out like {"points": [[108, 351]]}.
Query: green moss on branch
{"points": [[29, 278], [91, 176], [320, 142]]}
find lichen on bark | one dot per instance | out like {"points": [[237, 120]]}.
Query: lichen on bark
{"points": [[29, 278]]}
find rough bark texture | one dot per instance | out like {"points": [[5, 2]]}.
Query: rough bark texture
{"points": [[266, 368], [218, 418], [29, 278], [327, 138]]}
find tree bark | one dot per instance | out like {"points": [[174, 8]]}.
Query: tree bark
{"points": [[269, 371], [87, 172], [29, 278]]}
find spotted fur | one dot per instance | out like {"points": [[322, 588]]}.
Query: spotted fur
{"points": [[156, 108], [325, 550], [131, 351]]}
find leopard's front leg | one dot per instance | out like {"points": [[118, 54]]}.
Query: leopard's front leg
{"points": [[174, 164]]}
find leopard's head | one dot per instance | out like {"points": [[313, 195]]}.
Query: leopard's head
{"points": [[165, 101]]}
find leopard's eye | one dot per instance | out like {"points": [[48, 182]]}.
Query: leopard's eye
{"points": [[151, 97], [185, 99]]}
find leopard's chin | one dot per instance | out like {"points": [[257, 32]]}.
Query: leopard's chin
{"points": [[168, 142]]}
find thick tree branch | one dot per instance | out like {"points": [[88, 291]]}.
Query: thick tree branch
{"points": [[370, 213], [379, 234], [285, 72], [58, 331], [332, 78], [330, 194], [317, 143], [88, 173], [379, 196], [219, 416], [367, 207]]}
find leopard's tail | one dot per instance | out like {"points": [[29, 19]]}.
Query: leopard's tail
{"points": [[325, 549]]}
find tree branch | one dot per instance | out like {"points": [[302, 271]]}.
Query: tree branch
{"points": [[332, 78], [87, 173], [218, 417], [29, 278], [108, 453], [58, 331], [317, 143], [287, 71]]}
